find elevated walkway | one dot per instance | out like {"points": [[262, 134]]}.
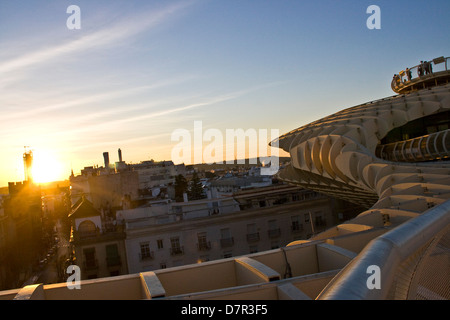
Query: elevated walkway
{"points": [[424, 75], [435, 146]]}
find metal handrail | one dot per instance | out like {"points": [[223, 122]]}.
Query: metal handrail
{"points": [[424, 148], [406, 77], [387, 252]]}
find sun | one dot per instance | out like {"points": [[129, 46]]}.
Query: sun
{"points": [[46, 167]]}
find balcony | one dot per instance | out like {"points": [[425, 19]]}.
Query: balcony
{"points": [[296, 228], [204, 246], [113, 261], [90, 265], [227, 242], [146, 256], [84, 238], [253, 237], [274, 233], [175, 251]]}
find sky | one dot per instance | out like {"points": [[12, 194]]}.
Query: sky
{"points": [[137, 71]]}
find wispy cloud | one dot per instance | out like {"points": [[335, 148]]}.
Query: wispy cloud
{"points": [[98, 98], [115, 142], [106, 126], [112, 34]]}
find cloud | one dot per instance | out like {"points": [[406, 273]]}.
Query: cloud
{"points": [[109, 35], [92, 99]]}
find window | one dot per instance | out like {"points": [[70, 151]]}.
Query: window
{"points": [[273, 231], [175, 242], [215, 208], [112, 255], [203, 244], [225, 233], [296, 226], [160, 244], [252, 233], [175, 246], [87, 229], [272, 224], [251, 228], [87, 226], [307, 217], [90, 262], [227, 254], [145, 251], [226, 238], [320, 221]]}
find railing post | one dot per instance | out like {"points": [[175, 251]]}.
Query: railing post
{"points": [[31, 292], [151, 286]]}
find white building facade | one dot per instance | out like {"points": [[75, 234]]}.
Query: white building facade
{"points": [[187, 233]]}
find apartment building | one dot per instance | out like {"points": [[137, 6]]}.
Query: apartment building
{"points": [[107, 190], [156, 173], [97, 242], [211, 229], [21, 230]]}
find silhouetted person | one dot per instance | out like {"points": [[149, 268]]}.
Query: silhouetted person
{"points": [[408, 74], [428, 67], [420, 69], [396, 80]]}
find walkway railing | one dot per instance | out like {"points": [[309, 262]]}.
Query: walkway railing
{"points": [[433, 146], [418, 76], [403, 261]]}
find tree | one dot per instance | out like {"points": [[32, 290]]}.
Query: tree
{"points": [[195, 191], [181, 186]]}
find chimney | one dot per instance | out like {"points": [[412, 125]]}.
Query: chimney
{"points": [[120, 155], [106, 158]]}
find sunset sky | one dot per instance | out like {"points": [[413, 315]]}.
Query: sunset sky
{"points": [[137, 71]]}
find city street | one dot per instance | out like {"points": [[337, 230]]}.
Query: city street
{"points": [[52, 270]]}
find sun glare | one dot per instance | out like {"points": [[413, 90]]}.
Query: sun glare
{"points": [[46, 167]]}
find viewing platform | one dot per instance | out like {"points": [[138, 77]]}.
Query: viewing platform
{"points": [[424, 75]]}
